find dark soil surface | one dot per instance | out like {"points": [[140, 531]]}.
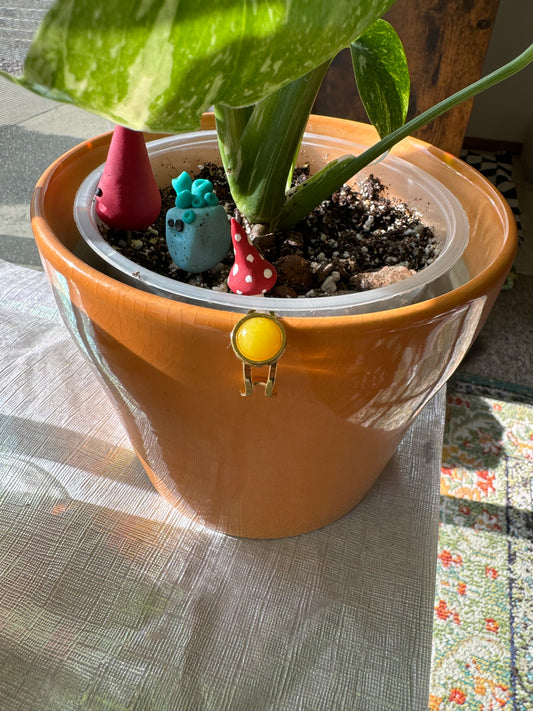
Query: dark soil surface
{"points": [[356, 240]]}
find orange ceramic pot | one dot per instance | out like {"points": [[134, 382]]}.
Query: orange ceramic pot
{"points": [[347, 387]]}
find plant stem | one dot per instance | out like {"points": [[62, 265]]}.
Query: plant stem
{"points": [[230, 127], [305, 197], [259, 147]]}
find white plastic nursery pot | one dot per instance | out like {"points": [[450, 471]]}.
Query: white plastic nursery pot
{"points": [[171, 155], [347, 386]]}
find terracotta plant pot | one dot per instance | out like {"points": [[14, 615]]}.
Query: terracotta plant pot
{"points": [[347, 386]]}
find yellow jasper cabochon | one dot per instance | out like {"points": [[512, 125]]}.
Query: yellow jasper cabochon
{"points": [[259, 339]]}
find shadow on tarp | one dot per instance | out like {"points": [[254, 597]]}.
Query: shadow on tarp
{"points": [[99, 458], [101, 606]]}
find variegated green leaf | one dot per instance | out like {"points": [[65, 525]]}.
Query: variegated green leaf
{"points": [[382, 76], [157, 64], [302, 199]]}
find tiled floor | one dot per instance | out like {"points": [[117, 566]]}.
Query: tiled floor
{"points": [[504, 349], [33, 132], [524, 260]]}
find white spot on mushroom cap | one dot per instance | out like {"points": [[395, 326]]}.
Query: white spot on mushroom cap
{"points": [[250, 258], [248, 278], [235, 269], [267, 273], [237, 237]]}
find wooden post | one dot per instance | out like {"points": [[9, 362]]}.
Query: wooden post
{"points": [[445, 42]]}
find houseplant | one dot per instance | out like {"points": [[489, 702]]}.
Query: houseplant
{"points": [[348, 386]]}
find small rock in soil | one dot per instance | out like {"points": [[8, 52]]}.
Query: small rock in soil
{"points": [[383, 277]]}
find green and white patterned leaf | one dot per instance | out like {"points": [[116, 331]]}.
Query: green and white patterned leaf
{"points": [[382, 76], [158, 64]]}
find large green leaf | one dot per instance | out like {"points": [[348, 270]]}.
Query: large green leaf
{"points": [[382, 76], [157, 64]]}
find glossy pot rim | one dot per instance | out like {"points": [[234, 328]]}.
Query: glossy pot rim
{"points": [[54, 251], [445, 213]]}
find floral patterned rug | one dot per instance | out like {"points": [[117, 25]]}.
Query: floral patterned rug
{"points": [[483, 624]]}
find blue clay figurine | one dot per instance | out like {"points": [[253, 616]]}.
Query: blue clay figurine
{"points": [[198, 232]]}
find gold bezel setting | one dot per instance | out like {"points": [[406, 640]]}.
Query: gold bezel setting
{"points": [[248, 363], [254, 315]]}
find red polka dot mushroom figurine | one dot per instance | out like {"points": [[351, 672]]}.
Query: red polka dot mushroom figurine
{"points": [[251, 274]]}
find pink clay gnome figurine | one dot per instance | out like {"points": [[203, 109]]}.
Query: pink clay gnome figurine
{"points": [[127, 196], [251, 274]]}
